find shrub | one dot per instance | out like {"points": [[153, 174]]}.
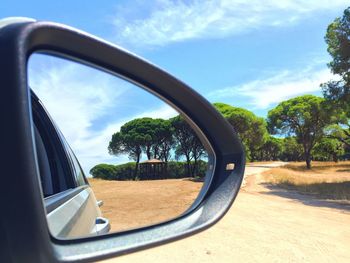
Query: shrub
{"points": [[176, 170], [180, 169], [103, 171], [202, 169], [121, 172], [126, 171]]}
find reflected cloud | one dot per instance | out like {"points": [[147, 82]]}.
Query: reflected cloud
{"points": [[89, 105]]}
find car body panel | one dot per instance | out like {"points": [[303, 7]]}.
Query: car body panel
{"points": [[76, 217], [73, 212]]}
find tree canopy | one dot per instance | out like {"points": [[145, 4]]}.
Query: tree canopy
{"points": [[337, 92], [158, 139], [187, 143], [304, 117], [250, 128], [271, 150], [292, 150], [130, 140], [338, 41], [328, 149]]}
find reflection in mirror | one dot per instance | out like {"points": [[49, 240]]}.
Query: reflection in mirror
{"points": [[141, 163]]}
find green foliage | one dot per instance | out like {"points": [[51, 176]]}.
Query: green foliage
{"points": [[337, 92], [163, 141], [103, 171], [158, 138], [304, 117], [125, 172], [339, 132], [284, 149], [292, 150], [145, 130], [180, 170], [176, 170], [187, 144], [328, 149], [128, 141], [250, 128], [271, 150], [202, 169], [122, 172], [153, 136], [338, 41]]}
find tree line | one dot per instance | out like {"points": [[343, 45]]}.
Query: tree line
{"points": [[303, 128], [307, 127], [303, 124], [126, 171], [159, 139]]}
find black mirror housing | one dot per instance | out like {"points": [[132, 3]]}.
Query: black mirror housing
{"points": [[24, 231]]}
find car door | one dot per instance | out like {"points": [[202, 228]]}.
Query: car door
{"points": [[71, 206]]}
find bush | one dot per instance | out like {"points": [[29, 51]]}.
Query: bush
{"points": [[120, 172], [126, 171], [176, 170], [202, 169], [180, 169], [103, 171]]}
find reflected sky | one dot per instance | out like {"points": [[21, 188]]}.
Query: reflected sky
{"points": [[89, 105]]}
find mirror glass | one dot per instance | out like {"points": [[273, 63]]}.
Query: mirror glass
{"points": [[112, 156]]}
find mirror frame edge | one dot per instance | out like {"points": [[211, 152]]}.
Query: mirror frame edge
{"points": [[32, 36]]}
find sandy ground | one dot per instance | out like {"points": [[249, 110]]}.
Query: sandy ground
{"points": [[132, 204], [265, 224]]}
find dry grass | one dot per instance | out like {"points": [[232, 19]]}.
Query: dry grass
{"points": [[326, 179]]}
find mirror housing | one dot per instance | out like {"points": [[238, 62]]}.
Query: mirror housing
{"points": [[21, 194]]}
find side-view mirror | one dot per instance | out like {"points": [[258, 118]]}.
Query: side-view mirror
{"points": [[26, 232]]}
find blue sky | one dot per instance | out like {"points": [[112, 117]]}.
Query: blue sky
{"points": [[251, 54]]}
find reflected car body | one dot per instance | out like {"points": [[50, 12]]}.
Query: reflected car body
{"points": [[71, 206]]}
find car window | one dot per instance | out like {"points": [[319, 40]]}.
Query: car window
{"points": [[54, 165], [76, 168], [44, 165]]}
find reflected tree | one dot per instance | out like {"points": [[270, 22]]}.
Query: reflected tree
{"points": [[187, 144]]}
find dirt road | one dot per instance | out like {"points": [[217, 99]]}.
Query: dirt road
{"points": [[264, 225]]}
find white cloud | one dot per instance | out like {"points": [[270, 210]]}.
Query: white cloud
{"points": [[174, 21], [163, 111], [262, 93], [77, 97]]}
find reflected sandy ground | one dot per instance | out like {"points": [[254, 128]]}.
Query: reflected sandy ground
{"points": [[133, 204]]}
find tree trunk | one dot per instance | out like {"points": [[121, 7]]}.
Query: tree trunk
{"points": [[335, 158], [252, 156], [148, 153], [156, 154], [188, 166], [308, 161], [307, 155], [136, 167], [195, 164]]}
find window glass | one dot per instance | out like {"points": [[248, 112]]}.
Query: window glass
{"points": [[76, 168]]}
